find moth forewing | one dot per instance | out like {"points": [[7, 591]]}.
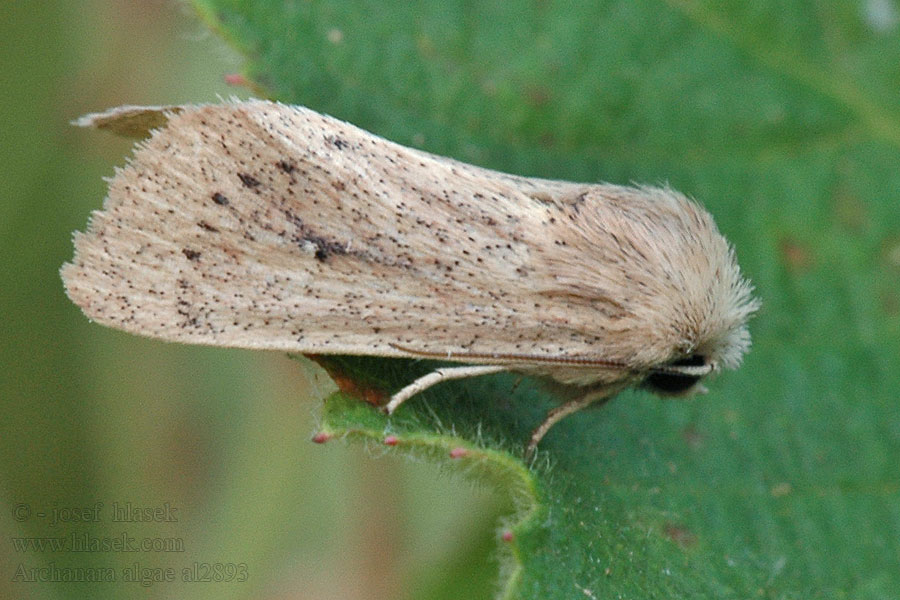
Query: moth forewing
{"points": [[261, 225]]}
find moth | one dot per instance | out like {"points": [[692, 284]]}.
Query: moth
{"points": [[261, 225]]}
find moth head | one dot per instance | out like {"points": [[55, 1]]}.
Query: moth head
{"points": [[671, 303], [719, 342], [699, 305]]}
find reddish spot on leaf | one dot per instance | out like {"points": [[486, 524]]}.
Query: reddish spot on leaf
{"points": [[679, 534], [391, 440], [321, 437], [458, 452], [347, 385], [236, 79], [795, 255], [373, 396], [538, 95], [507, 536]]}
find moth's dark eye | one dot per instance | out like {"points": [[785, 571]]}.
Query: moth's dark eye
{"points": [[673, 383]]}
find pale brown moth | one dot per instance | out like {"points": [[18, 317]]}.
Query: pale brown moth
{"points": [[260, 225]]}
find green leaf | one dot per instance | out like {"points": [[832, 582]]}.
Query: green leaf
{"points": [[783, 118]]}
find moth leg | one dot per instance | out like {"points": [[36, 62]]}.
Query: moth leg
{"points": [[562, 411], [438, 375]]}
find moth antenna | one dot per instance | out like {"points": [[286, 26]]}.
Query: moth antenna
{"points": [[685, 370], [589, 361]]}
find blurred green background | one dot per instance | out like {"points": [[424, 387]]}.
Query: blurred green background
{"points": [[92, 415]]}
